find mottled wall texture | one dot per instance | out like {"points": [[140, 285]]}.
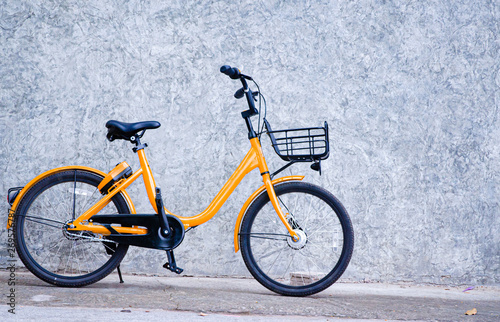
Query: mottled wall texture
{"points": [[410, 90]]}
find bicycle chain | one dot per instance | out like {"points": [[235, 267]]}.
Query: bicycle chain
{"points": [[99, 239]]}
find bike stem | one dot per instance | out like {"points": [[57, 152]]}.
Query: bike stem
{"points": [[251, 109]]}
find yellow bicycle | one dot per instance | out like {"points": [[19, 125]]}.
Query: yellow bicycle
{"points": [[73, 225]]}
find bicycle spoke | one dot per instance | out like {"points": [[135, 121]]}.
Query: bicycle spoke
{"points": [[288, 267], [271, 253], [98, 259], [87, 203], [48, 253], [308, 258], [274, 262], [70, 251], [321, 254], [58, 204], [30, 218], [308, 212], [107, 247], [87, 261], [58, 249]]}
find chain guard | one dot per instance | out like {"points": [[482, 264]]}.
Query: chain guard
{"points": [[153, 239]]}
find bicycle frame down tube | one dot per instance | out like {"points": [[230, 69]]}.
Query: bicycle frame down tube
{"points": [[249, 163]]}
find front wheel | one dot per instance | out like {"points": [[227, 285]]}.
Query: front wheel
{"points": [[297, 267]]}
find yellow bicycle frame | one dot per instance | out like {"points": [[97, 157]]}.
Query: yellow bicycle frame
{"points": [[253, 159]]}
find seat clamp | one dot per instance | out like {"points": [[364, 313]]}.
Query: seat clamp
{"points": [[140, 147]]}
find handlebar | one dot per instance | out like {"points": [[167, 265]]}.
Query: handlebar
{"points": [[234, 73]]}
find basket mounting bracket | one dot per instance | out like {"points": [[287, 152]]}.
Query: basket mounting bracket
{"points": [[283, 168]]}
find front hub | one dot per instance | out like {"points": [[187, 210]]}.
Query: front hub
{"points": [[300, 242]]}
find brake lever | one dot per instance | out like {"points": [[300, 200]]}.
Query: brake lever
{"points": [[239, 93]]}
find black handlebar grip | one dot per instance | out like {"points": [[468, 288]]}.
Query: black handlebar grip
{"points": [[233, 73]]}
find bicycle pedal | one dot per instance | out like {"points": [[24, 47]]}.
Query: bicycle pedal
{"points": [[174, 269]]}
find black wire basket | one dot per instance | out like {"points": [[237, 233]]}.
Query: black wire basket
{"points": [[300, 145]]}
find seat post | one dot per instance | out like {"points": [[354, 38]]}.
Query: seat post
{"points": [[147, 174], [138, 145]]}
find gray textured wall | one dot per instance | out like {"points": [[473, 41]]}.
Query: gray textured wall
{"points": [[410, 89]]}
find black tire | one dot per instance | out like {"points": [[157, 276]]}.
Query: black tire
{"points": [[43, 244], [309, 265]]}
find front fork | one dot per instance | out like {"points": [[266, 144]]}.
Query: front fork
{"points": [[277, 207], [266, 177]]}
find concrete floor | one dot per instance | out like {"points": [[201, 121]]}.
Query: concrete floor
{"points": [[214, 299]]}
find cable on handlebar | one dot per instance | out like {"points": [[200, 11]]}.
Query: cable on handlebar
{"points": [[260, 129]]}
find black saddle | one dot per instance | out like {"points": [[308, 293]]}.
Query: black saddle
{"points": [[124, 131]]}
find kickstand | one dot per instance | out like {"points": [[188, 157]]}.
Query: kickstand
{"points": [[171, 265], [119, 273]]}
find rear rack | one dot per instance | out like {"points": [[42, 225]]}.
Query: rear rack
{"points": [[300, 145]]}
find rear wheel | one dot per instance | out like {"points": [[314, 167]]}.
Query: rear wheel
{"points": [[313, 262], [47, 248]]}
